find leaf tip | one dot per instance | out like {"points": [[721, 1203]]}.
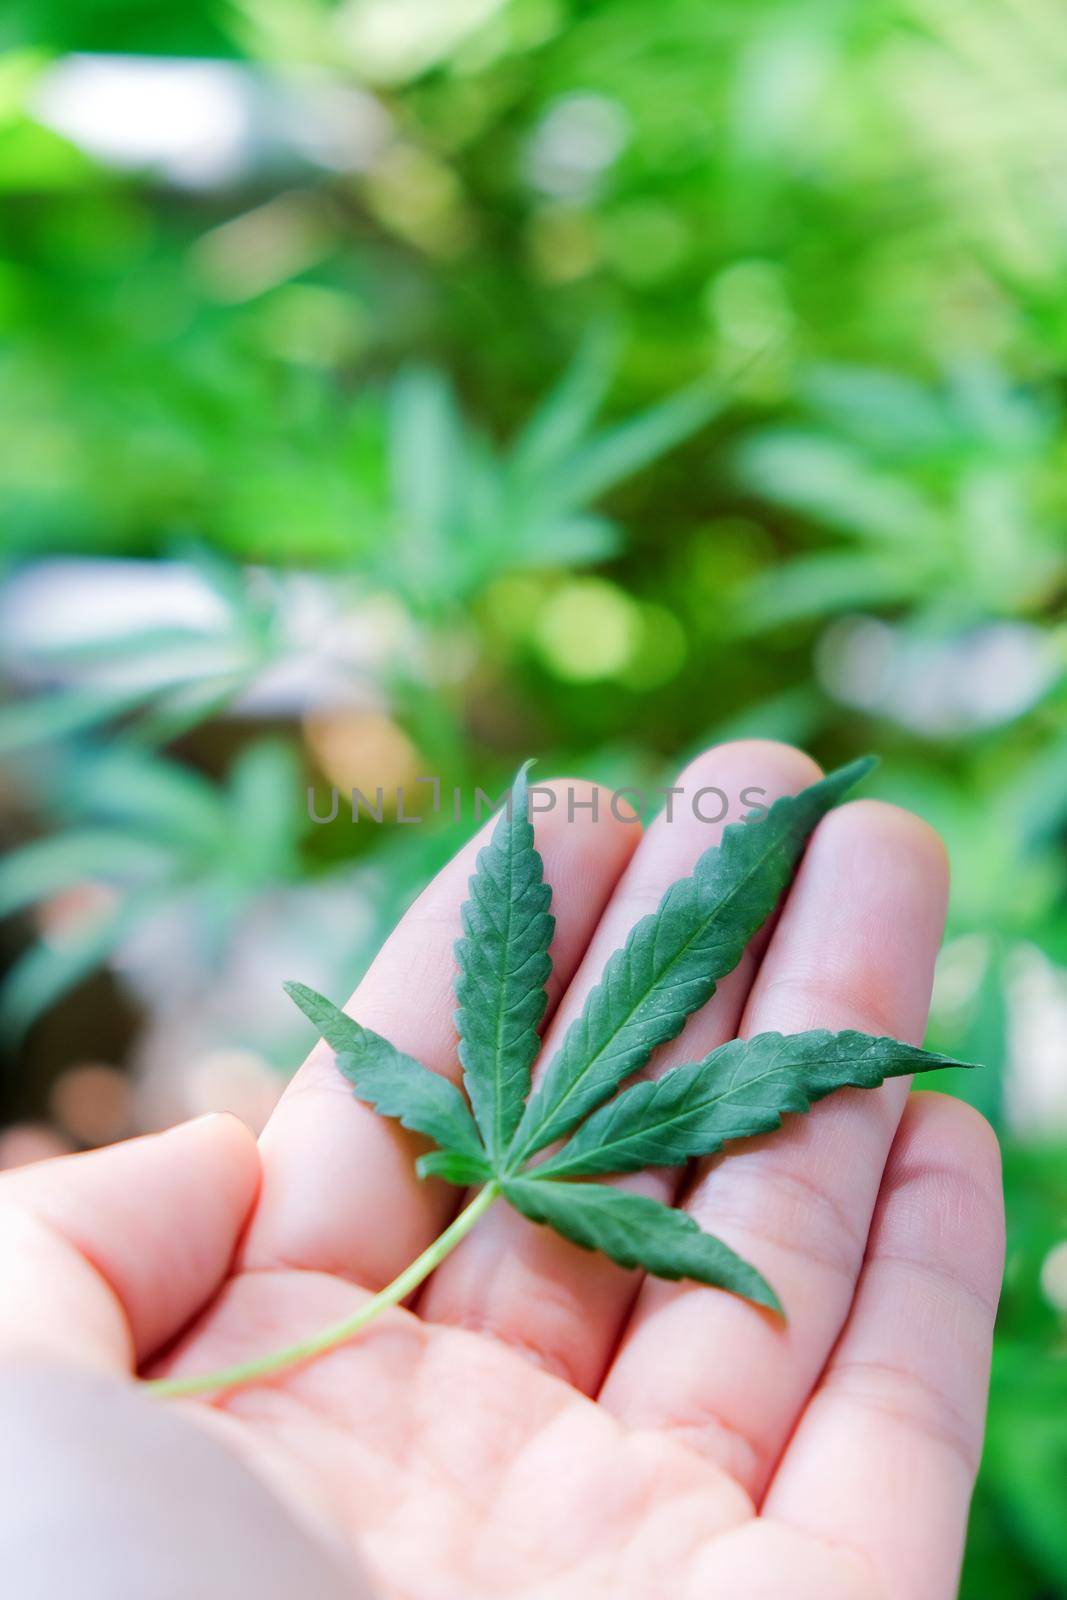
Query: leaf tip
{"points": [[299, 994], [763, 1295], [939, 1063], [519, 785], [855, 771]]}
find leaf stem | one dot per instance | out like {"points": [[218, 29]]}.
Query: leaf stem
{"points": [[339, 1332]]}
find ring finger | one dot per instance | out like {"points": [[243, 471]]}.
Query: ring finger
{"points": [[854, 948]]}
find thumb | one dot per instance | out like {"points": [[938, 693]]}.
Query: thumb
{"points": [[108, 1494], [106, 1256]]}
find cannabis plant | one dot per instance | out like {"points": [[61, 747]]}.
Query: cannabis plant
{"points": [[495, 1136]]}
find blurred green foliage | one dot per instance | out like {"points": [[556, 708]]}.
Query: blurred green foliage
{"points": [[753, 312]]}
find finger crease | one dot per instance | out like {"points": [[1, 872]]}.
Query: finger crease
{"points": [[841, 1248], [555, 1363], [710, 1435], [908, 1398]]}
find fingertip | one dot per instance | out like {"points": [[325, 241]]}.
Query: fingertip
{"points": [[157, 1218], [226, 1144], [586, 803], [942, 1130], [587, 837], [931, 1112], [892, 828], [222, 1128], [942, 1193], [767, 766]]}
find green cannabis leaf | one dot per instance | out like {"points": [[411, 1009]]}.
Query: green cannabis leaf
{"points": [[503, 968], [398, 1086], [667, 969], [637, 1232], [742, 1088], [674, 958]]}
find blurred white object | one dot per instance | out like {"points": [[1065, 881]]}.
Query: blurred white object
{"points": [[390, 40], [577, 139], [962, 966], [54, 605], [1054, 1276], [220, 1033], [335, 641], [201, 124], [1035, 1093], [939, 685], [187, 118]]}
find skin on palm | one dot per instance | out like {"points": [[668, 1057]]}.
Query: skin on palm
{"points": [[458, 1469], [460, 1451]]}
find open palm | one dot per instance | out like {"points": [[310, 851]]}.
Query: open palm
{"points": [[541, 1423]]}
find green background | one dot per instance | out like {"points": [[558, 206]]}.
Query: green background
{"points": [[630, 377]]}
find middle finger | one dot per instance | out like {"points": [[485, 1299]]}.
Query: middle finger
{"points": [[523, 1284]]}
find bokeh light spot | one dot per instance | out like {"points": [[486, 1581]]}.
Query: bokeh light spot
{"points": [[589, 629]]}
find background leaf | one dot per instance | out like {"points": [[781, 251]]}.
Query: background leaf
{"points": [[50, 865], [620, 451], [560, 422], [69, 711], [48, 970]]}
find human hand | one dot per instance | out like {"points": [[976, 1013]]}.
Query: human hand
{"points": [[544, 1424]]}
